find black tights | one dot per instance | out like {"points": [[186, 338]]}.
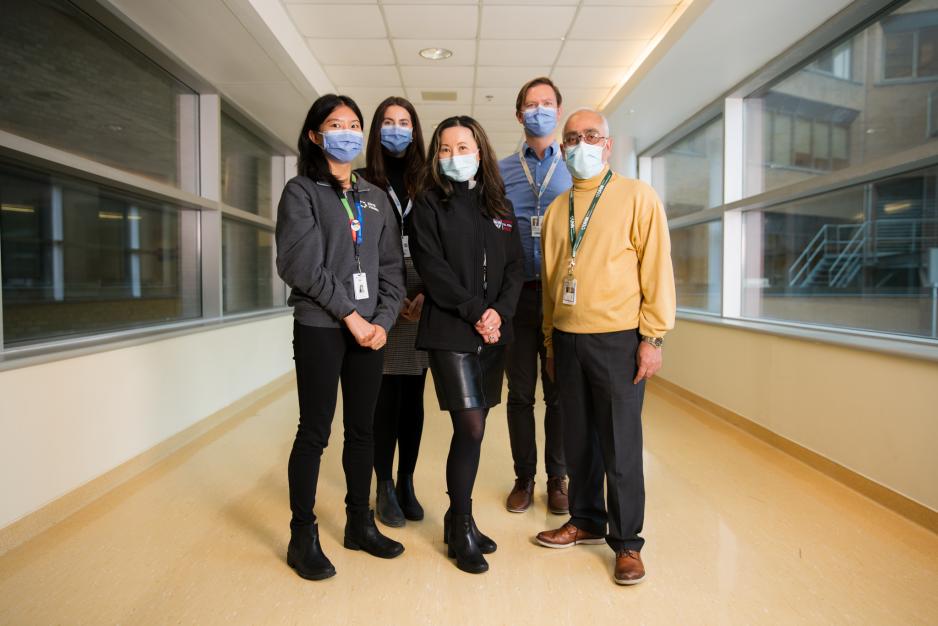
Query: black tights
{"points": [[462, 464]]}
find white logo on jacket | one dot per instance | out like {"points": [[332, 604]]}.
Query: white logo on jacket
{"points": [[371, 205]]}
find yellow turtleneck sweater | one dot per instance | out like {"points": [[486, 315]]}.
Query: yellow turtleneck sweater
{"points": [[623, 267]]}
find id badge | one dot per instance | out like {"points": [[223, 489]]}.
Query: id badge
{"points": [[536, 225], [360, 284], [569, 290], [405, 242]]}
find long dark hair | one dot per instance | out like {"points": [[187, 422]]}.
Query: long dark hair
{"points": [[312, 160], [414, 156], [492, 186]]}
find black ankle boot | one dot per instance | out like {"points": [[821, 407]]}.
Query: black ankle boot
{"points": [[388, 510], [362, 534], [304, 554], [462, 546], [486, 545], [407, 498]]}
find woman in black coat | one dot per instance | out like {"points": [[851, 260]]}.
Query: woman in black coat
{"points": [[467, 249]]}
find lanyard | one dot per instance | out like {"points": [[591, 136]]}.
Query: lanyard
{"points": [[577, 240], [397, 203], [357, 226], [527, 172]]}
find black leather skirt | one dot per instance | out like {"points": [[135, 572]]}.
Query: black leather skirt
{"points": [[468, 380]]}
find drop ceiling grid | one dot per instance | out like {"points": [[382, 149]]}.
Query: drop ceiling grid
{"points": [[585, 45]]}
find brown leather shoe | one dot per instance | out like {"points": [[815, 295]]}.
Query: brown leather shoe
{"points": [[521, 496], [567, 536], [629, 567], [557, 501]]}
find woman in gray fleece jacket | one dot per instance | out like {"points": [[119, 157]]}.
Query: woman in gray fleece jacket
{"points": [[339, 250]]}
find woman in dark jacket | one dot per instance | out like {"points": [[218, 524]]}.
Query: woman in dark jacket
{"points": [[468, 252], [395, 162], [339, 250]]}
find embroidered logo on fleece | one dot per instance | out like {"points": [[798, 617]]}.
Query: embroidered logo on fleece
{"points": [[506, 226], [370, 205]]}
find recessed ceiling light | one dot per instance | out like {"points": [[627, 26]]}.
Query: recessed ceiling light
{"points": [[436, 54]]}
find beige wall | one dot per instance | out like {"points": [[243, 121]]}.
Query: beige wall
{"points": [[873, 413], [67, 422]]}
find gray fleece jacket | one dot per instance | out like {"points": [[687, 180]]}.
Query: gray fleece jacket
{"points": [[316, 253]]}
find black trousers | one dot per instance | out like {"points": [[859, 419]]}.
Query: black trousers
{"points": [[324, 357], [398, 423], [603, 433], [522, 368]]}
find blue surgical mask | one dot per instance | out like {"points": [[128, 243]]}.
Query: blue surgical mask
{"points": [[342, 145], [396, 138], [540, 121], [585, 160], [460, 168]]}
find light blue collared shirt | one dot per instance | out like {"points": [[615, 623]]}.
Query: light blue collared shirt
{"points": [[524, 199]]}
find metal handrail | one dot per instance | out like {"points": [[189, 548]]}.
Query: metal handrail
{"points": [[849, 257]]}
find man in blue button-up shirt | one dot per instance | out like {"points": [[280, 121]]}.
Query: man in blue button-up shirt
{"points": [[534, 176]]}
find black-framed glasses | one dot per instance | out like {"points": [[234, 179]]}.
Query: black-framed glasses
{"points": [[591, 137]]}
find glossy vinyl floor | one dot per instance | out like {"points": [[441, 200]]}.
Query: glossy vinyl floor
{"points": [[737, 533]]}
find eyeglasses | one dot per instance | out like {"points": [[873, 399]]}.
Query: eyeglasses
{"points": [[591, 137]]}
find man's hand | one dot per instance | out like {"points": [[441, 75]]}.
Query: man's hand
{"points": [[648, 361], [413, 308], [378, 338], [405, 307], [549, 366], [360, 328]]}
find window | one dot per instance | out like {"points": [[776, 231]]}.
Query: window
{"points": [[247, 171], [837, 112], [79, 258], [697, 253], [69, 83], [689, 175], [852, 258], [249, 280]]}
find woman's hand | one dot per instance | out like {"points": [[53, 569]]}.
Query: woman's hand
{"points": [[378, 338], [360, 329], [412, 308], [493, 337], [490, 322], [405, 308]]}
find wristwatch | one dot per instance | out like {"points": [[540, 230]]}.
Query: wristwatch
{"points": [[655, 341]]}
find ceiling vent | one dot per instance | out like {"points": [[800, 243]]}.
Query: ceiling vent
{"points": [[438, 96]]}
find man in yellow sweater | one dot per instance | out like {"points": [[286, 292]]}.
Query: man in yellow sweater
{"points": [[608, 301]]}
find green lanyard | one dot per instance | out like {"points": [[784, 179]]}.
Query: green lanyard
{"points": [[577, 240]]}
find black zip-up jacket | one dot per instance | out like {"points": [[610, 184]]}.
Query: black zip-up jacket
{"points": [[450, 237]]}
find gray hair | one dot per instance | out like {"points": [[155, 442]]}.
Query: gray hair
{"points": [[605, 127]]}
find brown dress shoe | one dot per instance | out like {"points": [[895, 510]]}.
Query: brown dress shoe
{"points": [[629, 567], [557, 501], [521, 496], [567, 536]]}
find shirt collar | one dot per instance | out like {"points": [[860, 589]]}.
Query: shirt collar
{"points": [[549, 153]]}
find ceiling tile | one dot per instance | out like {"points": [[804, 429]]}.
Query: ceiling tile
{"points": [[432, 22], [512, 77], [632, 3], [577, 98], [496, 95], [387, 2], [464, 51], [493, 124], [532, 2], [518, 22], [601, 53], [578, 77], [619, 22], [352, 51], [369, 94], [363, 75], [320, 20], [518, 52], [437, 76], [498, 111], [463, 95]]}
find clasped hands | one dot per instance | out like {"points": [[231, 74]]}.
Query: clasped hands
{"points": [[490, 326], [367, 335]]}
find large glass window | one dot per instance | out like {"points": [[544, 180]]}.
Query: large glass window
{"points": [[69, 83], [855, 258], [697, 254], [248, 168], [79, 258], [248, 279], [859, 100], [689, 175]]}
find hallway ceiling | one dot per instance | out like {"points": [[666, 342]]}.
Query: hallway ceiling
{"points": [[586, 46]]}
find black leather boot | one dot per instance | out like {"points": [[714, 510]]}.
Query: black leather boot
{"points": [[304, 554], [362, 534], [462, 546], [407, 498], [388, 510], [486, 545]]}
